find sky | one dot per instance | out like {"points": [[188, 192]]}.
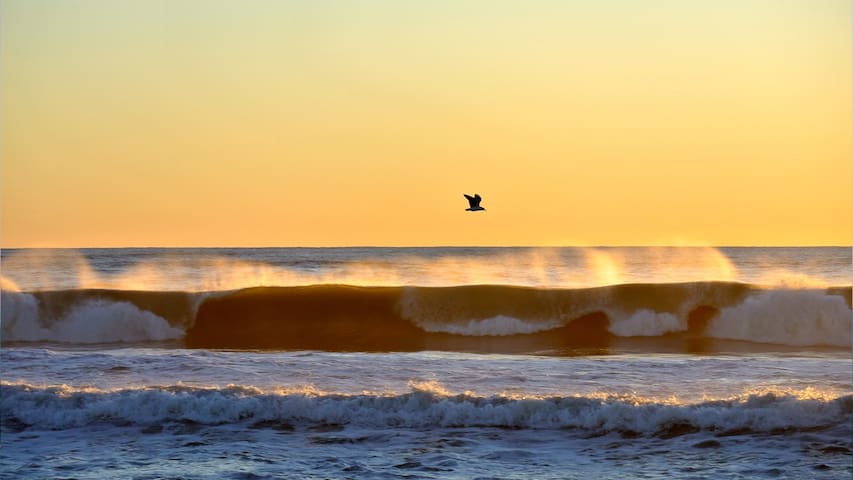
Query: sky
{"points": [[336, 123]]}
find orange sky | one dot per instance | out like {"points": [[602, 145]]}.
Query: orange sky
{"points": [[617, 122]]}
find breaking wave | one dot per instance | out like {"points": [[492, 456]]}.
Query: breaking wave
{"points": [[62, 407], [87, 321], [492, 318]]}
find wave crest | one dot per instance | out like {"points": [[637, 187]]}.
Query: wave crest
{"points": [[790, 317], [91, 321], [491, 318], [63, 407]]}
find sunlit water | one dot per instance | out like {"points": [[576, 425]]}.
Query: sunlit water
{"points": [[160, 410]]}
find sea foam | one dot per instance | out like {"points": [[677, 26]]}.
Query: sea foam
{"points": [[497, 326], [63, 407], [92, 321], [790, 317]]}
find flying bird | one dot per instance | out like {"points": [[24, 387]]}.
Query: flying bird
{"points": [[474, 202]]}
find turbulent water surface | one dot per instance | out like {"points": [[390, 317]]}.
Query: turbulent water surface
{"points": [[426, 363]]}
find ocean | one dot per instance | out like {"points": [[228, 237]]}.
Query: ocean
{"points": [[441, 362]]}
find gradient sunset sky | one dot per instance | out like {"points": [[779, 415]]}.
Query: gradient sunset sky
{"points": [[334, 123]]}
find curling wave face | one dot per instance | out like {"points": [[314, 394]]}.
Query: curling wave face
{"points": [[493, 318]]}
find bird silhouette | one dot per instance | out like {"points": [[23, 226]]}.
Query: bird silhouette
{"points": [[474, 202]]}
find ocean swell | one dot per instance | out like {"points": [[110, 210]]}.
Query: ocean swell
{"points": [[487, 318]]}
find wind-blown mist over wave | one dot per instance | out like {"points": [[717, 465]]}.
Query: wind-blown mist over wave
{"points": [[62, 407], [475, 317], [200, 270]]}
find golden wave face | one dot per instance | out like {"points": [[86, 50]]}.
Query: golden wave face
{"points": [[668, 317]]}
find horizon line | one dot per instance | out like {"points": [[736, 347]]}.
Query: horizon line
{"points": [[197, 247]]}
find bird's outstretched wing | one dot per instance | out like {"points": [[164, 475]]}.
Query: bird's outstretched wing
{"points": [[474, 201]]}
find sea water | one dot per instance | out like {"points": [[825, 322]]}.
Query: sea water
{"points": [[426, 363]]}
